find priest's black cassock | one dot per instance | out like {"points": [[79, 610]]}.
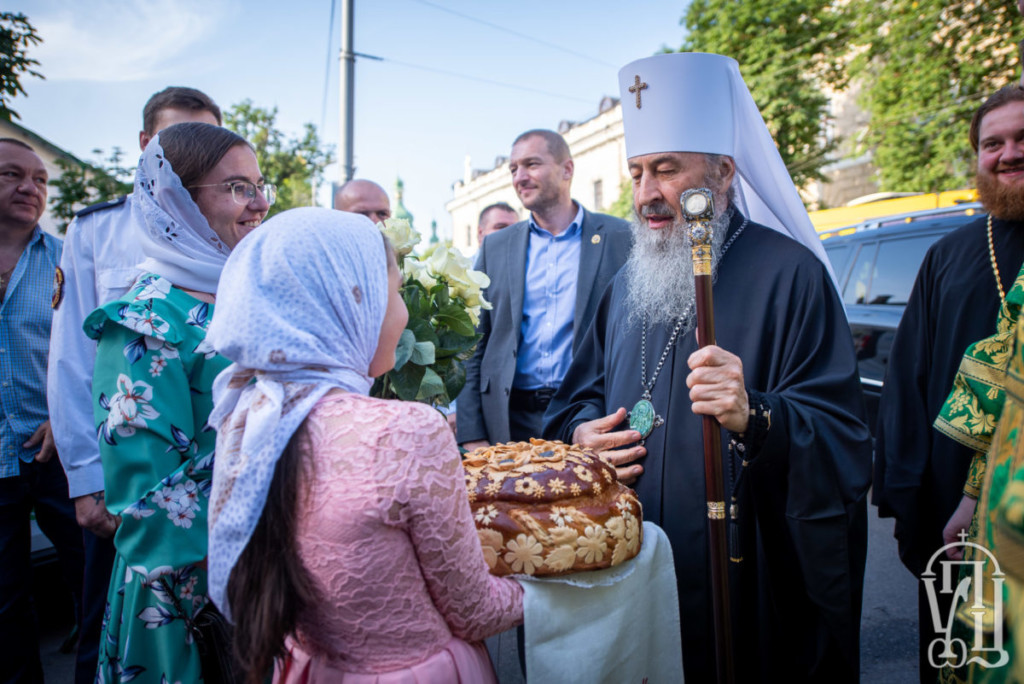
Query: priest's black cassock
{"points": [[796, 596], [919, 472]]}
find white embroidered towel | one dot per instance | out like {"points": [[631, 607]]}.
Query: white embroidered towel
{"points": [[616, 625]]}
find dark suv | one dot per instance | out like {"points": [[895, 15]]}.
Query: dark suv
{"points": [[876, 262]]}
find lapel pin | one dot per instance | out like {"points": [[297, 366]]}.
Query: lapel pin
{"points": [[595, 240]]}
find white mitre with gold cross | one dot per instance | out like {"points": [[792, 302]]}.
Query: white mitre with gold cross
{"points": [[698, 102]]}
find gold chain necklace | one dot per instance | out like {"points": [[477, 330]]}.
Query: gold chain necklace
{"points": [[995, 266]]}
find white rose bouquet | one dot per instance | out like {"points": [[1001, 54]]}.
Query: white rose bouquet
{"points": [[444, 297]]}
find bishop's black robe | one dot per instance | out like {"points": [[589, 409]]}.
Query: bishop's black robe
{"points": [[796, 596], [919, 472]]}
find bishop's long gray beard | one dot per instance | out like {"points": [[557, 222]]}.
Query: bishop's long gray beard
{"points": [[659, 272]]}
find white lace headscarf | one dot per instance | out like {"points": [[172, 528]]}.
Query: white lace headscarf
{"points": [[174, 235], [299, 311]]}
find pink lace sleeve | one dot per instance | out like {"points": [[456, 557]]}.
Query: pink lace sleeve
{"points": [[430, 500]]}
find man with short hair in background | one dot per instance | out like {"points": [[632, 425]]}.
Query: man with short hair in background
{"points": [[30, 476], [99, 264], [493, 218], [547, 274], [361, 196]]}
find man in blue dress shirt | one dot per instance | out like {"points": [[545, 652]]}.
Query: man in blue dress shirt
{"points": [[30, 476], [547, 275]]}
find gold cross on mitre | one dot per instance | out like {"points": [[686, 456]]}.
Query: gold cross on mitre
{"points": [[636, 88]]}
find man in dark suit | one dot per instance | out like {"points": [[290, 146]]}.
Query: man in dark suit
{"points": [[547, 275]]}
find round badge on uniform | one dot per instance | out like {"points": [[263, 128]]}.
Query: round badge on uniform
{"points": [[58, 288]]}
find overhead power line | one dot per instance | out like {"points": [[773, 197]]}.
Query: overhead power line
{"points": [[478, 79], [499, 27]]}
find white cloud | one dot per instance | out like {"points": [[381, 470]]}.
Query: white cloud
{"points": [[114, 40]]}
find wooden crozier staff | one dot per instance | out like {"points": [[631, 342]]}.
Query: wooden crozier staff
{"points": [[698, 211]]}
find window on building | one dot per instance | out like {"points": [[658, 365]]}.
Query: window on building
{"points": [[598, 195]]}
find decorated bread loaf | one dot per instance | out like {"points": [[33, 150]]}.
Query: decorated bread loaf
{"points": [[547, 508]]}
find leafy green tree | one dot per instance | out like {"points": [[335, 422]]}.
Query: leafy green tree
{"points": [[788, 51], [292, 164], [81, 184], [926, 66], [623, 205], [16, 36]]}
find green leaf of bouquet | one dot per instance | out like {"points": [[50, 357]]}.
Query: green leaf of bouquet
{"points": [[431, 385], [440, 294], [411, 296], [451, 344], [455, 378], [423, 330], [456, 318], [422, 352], [406, 346], [417, 301], [406, 382], [378, 388]]}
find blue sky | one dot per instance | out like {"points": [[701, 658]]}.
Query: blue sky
{"points": [[448, 86]]}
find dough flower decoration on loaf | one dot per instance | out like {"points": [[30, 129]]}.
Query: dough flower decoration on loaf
{"points": [[523, 554], [548, 508]]}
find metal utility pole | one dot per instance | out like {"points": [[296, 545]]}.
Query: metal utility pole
{"points": [[348, 92]]}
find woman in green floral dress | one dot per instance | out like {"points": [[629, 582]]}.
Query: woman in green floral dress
{"points": [[198, 191]]}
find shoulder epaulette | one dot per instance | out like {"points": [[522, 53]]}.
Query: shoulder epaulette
{"points": [[100, 206]]}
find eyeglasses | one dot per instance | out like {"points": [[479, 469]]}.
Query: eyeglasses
{"points": [[244, 192]]}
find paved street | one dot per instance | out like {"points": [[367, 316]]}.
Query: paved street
{"points": [[888, 627], [53, 605]]}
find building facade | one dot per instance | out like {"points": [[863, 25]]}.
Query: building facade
{"points": [[599, 150]]}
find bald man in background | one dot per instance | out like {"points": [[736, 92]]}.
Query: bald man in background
{"points": [[365, 197]]}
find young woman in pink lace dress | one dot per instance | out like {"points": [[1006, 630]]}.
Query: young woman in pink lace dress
{"points": [[341, 536]]}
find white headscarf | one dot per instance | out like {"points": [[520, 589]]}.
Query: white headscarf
{"points": [[698, 102], [174, 235], [299, 311]]}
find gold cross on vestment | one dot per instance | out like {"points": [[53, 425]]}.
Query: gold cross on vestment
{"points": [[636, 88]]}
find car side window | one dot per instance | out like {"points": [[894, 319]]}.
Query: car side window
{"points": [[839, 255], [896, 268], [859, 284]]}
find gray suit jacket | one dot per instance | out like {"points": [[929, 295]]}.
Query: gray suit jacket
{"points": [[483, 403]]}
